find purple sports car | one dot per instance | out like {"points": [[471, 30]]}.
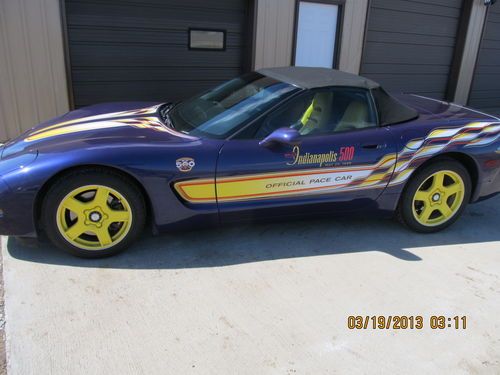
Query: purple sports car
{"points": [[280, 142]]}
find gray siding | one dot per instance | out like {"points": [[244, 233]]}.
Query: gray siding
{"points": [[138, 50], [485, 91], [274, 33], [275, 27], [409, 45], [32, 73], [353, 28]]}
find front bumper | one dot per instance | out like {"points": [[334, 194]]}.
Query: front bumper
{"points": [[5, 223], [16, 213]]}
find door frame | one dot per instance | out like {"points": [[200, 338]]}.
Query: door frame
{"points": [[338, 34]]}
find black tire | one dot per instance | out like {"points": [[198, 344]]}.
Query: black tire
{"points": [[405, 213], [92, 176]]}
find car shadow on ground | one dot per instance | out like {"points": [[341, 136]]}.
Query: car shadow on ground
{"points": [[262, 242]]}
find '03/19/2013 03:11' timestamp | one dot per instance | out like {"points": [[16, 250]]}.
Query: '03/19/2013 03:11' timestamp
{"points": [[406, 322]]}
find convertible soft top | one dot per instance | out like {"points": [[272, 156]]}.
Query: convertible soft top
{"points": [[310, 78], [390, 110]]}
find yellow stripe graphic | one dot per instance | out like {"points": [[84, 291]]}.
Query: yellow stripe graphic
{"points": [[137, 122], [104, 116], [299, 182]]}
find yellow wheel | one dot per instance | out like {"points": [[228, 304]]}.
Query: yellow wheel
{"points": [[93, 212], [435, 196], [94, 217], [438, 198]]}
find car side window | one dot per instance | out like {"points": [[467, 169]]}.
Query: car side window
{"points": [[288, 116], [325, 111]]}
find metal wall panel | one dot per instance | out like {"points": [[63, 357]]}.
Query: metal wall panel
{"points": [[32, 72], [485, 91], [471, 45], [274, 33], [275, 26], [409, 45], [353, 28], [138, 50]]}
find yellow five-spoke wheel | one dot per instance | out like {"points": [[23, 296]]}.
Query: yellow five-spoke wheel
{"points": [[436, 196], [93, 212], [94, 217]]}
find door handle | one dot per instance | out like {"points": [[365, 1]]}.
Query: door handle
{"points": [[374, 146]]}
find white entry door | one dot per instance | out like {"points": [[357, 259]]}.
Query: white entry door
{"points": [[316, 34]]}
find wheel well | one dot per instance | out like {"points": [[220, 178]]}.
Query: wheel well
{"points": [[467, 161], [46, 186]]}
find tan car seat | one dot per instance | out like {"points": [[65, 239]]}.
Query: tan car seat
{"points": [[355, 117], [317, 115]]}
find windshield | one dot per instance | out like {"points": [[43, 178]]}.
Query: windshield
{"points": [[226, 108]]}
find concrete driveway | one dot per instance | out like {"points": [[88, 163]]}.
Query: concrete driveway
{"points": [[266, 299]]}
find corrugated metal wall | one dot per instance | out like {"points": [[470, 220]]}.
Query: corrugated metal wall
{"points": [[410, 44], [33, 77], [485, 92], [32, 72], [138, 50]]}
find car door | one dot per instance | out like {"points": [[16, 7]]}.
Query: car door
{"points": [[341, 161]]}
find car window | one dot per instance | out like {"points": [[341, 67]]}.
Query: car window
{"points": [[224, 109], [288, 116], [390, 110], [322, 112]]}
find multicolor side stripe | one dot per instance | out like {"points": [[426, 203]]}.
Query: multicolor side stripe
{"points": [[391, 170], [439, 141]]}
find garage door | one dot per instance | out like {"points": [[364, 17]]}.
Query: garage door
{"points": [[485, 92], [410, 44], [122, 50]]}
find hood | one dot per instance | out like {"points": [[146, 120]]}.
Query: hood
{"points": [[113, 122], [438, 109]]}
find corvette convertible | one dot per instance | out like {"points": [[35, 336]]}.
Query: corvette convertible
{"points": [[275, 143]]}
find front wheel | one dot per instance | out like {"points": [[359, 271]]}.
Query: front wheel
{"points": [[93, 213], [435, 197]]}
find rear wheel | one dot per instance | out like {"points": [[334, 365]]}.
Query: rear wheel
{"points": [[93, 213], [435, 197]]}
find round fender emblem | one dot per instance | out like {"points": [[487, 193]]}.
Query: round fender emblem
{"points": [[185, 164]]}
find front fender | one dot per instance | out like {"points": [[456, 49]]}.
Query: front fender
{"points": [[153, 166]]}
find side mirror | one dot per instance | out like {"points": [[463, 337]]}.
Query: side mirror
{"points": [[287, 136]]}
